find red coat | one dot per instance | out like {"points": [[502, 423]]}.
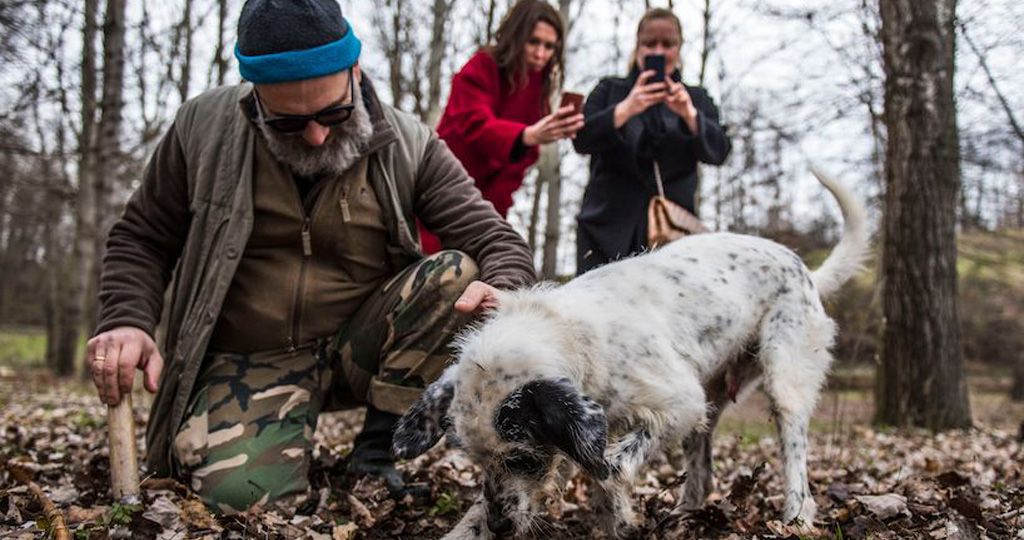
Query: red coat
{"points": [[481, 124]]}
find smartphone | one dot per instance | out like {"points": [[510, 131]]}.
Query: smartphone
{"points": [[657, 63], [574, 99]]}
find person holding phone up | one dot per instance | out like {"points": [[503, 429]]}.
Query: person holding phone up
{"points": [[636, 126], [499, 112]]}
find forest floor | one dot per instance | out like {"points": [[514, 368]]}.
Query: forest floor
{"points": [[868, 483]]}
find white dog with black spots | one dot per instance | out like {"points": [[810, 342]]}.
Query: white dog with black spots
{"points": [[633, 356]]}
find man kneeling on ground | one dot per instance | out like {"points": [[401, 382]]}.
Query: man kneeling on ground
{"points": [[283, 209]]}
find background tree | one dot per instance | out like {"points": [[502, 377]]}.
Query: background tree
{"points": [[921, 380]]}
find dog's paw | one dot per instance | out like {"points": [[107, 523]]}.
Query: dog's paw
{"points": [[803, 509]]}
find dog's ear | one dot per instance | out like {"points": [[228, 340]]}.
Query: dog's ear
{"points": [[425, 422], [554, 413]]}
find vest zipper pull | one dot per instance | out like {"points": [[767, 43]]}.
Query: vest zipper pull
{"points": [[343, 203], [307, 242]]}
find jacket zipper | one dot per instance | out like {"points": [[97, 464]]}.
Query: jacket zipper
{"points": [[306, 238]]}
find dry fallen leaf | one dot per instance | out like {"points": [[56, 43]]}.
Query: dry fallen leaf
{"points": [[345, 532], [884, 506]]}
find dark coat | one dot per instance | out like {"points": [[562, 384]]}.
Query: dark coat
{"points": [[613, 217]]}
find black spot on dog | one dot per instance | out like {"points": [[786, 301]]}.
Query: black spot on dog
{"points": [[424, 424], [522, 463], [554, 414], [708, 334]]}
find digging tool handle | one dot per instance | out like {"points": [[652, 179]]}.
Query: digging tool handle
{"points": [[124, 470]]}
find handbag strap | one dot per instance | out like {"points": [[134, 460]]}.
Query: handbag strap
{"points": [[657, 178]]}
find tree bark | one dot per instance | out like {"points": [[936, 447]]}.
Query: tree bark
{"points": [[185, 38], [705, 54], [109, 138], [65, 297], [921, 377], [220, 60], [549, 174], [82, 287], [438, 43], [531, 231], [1017, 388]]}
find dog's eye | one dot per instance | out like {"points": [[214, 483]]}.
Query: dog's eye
{"points": [[523, 464]]}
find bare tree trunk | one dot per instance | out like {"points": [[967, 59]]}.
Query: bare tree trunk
{"points": [[705, 53], [488, 35], [109, 138], [395, 56], [65, 296], [1020, 198], [84, 255], [185, 40], [48, 203], [438, 43], [921, 377], [1017, 388], [538, 194], [221, 60], [549, 174]]}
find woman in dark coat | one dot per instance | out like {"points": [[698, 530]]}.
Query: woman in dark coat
{"points": [[498, 112], [630, 123]]}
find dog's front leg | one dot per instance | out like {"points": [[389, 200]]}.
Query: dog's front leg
{"points": [[615, 496]]}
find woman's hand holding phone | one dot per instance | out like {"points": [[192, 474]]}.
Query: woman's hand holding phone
{"points": [[679, 102], [642, 96], [563, 122]]}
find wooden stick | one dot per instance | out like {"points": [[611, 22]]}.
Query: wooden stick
{"points": [[124, 470], [58, 528]]}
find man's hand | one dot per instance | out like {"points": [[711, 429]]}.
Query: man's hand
{"points": [[114, 356], [477, 298]]}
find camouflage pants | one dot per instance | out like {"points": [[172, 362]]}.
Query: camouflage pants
{"points": [[246, 440]]}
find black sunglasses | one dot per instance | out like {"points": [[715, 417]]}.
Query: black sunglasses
{"points": [[294, 123]]}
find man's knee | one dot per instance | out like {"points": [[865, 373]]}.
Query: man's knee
{"points": [[452, 271], [245, 486]]}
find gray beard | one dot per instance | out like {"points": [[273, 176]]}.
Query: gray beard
{"points": [[342, 149]]}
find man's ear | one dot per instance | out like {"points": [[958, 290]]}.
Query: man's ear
{"points": [[554, 413], [424, 423], [357, 72]]}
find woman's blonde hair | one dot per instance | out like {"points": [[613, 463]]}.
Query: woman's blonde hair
{"points": [[655, 14]]}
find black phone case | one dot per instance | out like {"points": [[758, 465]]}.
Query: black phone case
{"points": [[657, 63]]}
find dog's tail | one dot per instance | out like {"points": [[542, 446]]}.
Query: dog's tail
{"points": [[848, 257]]}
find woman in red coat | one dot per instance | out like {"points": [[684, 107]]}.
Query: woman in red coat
{"points": [[499, 112]]}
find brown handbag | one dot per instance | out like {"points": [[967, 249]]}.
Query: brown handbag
{"points": [[667, 220]]}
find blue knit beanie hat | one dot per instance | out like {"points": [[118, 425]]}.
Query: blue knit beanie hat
{"points": [[292, 40]]}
